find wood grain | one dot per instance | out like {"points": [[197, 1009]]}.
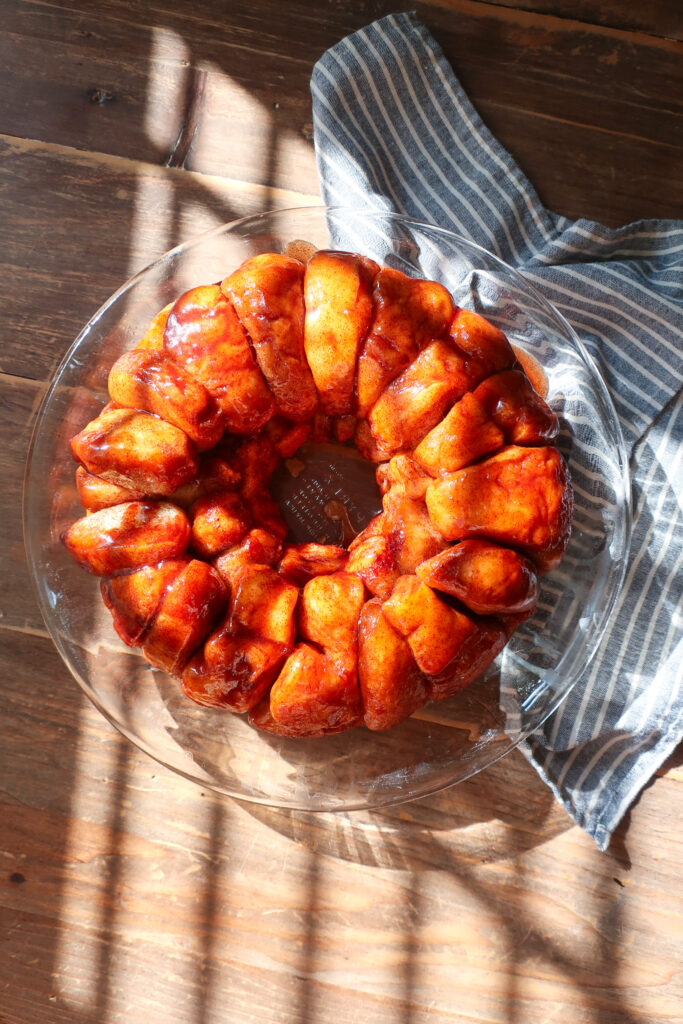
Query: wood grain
{"points": [[540, 81], [18, 402], [126, 893], [478, 903], [94, 221], [653, 17]]}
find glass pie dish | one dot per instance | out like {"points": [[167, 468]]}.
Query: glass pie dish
{"points": [[442, 743]]}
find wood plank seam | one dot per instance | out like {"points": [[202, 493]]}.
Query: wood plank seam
{"points": [[474, 8], [575, 22], [488, 104], [90, 156], [206, 22]]}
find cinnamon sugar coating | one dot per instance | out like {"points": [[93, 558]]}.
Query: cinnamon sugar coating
{"points": [[197, 566]]}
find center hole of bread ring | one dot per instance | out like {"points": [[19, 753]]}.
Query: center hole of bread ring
{"points": [[326, 493]]}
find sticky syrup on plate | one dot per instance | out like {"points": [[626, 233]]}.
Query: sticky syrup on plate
{"points": [[337, 512], [533, 370]]}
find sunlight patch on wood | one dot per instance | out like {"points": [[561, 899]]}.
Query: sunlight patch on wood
{"points": [[168, 70]]}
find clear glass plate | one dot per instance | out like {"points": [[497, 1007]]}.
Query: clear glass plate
{"points": [[443, 743]]}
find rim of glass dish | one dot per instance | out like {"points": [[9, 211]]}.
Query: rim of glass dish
{"points": [[609, 413]]}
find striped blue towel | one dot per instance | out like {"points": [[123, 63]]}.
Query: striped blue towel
{"points": [[395, 130]]}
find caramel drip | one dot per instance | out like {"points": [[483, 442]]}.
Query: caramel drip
{"points": [[336, 511]]}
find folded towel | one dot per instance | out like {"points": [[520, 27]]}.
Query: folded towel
{"points": [[394, 130]]}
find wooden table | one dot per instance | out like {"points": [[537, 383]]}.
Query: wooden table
{"points": [[127, 893]]}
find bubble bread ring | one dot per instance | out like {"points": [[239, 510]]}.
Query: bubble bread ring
{"points": [[232, 378]]}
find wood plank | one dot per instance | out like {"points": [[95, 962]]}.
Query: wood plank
{"points": [[622, 171], [81, 225], [574, 82], [673, 766], [129, 98], [126, 893], [654, 17], [18, 403], [479, 903]]}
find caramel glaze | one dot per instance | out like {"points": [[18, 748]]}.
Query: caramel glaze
{"points": [[319, 346]]}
